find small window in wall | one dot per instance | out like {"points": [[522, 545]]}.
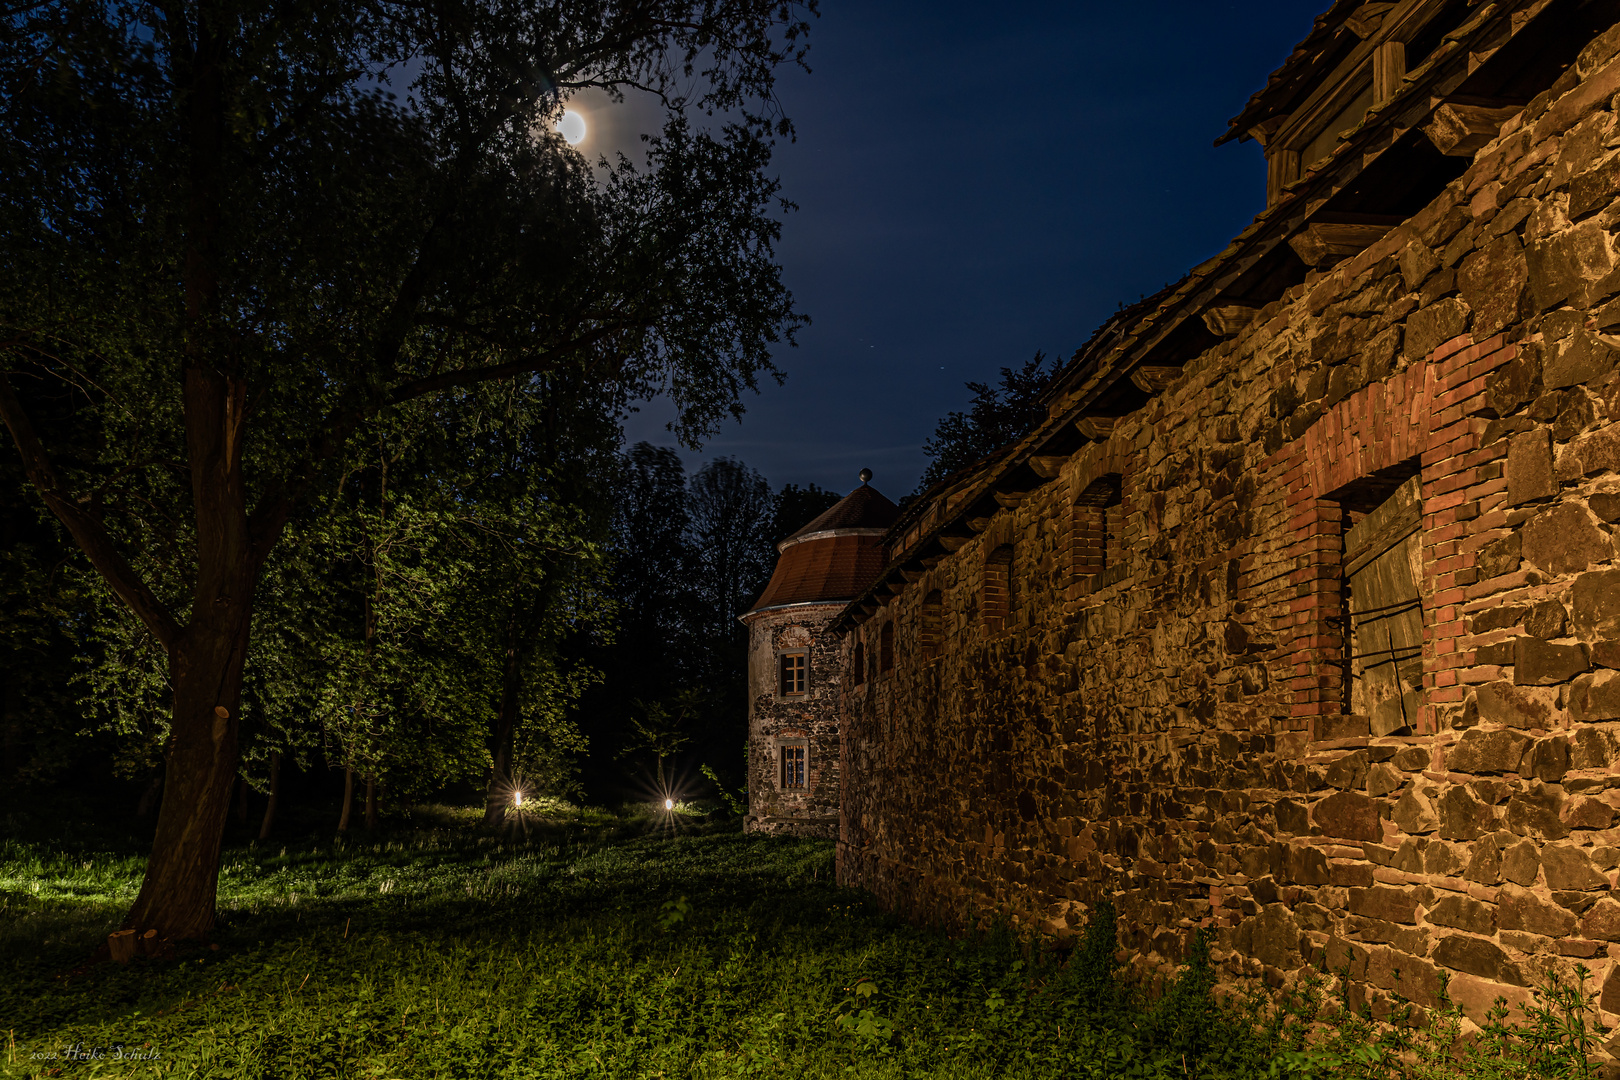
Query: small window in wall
{"points": [[858, 662], [793, 672], [795, 774], [1382, 569], [1097, 537], [930, 628], [998, 600], [886, 647]]}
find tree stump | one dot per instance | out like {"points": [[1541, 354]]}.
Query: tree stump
{"points": [[121, 944]]}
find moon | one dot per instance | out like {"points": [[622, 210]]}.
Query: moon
{"points": [[571, 127]]}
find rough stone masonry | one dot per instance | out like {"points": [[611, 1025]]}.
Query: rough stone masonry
{"points": [[1299, 618]]}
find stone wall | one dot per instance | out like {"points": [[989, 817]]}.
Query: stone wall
{"points": [[1177, 740], [773, 718]]}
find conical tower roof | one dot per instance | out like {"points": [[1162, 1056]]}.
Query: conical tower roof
{"points": [[835, 557]]}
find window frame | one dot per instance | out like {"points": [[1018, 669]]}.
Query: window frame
{"points": [[797, 751], [783, 657]]}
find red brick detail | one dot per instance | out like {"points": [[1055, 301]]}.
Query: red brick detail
{"points": [[1428, 412]]}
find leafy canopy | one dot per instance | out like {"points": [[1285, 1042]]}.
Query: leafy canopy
{"points": [[997, 416]]}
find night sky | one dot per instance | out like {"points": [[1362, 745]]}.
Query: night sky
{"points": [[981, 183]]}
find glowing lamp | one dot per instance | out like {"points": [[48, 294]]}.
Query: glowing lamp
{"points": [[669, 804], [517, 798]]}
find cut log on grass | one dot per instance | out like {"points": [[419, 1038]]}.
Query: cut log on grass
{"points": [[121, 945], [149, 943]]}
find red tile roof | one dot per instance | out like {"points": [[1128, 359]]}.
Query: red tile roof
{"points": [[835, 557], [834, 568]]}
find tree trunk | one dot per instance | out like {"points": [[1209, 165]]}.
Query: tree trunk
{"points": [[499, 792], [275, 796], [348, 798], [371, 802], [182, 876]]}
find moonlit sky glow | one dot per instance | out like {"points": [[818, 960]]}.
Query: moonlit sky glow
{"points": [[571, 126], [974, 188]]}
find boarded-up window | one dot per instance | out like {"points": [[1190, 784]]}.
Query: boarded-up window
{"points": [[930, 632], [998, 600], [1382, 569], [1096, 536], [886, 647]]}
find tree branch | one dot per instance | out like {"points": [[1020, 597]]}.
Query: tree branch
{"points": [[451, 380], [85, 528]]}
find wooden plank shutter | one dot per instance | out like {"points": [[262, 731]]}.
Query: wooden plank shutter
{"points": [[1382, 568]]}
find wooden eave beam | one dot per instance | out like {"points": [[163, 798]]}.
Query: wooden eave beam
{"points": [[1228, 320], [1460, 127], [1096, 428], [1325, 241], [1153, 378], [1047, 466]]}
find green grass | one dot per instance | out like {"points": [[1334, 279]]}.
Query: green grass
{"points": [[588, 946]]}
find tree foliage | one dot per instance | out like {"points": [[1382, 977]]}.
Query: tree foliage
{"points": [[229, 256], [997, 415]]}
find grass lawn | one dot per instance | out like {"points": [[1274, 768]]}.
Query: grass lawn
{"points": [[587, 947]]}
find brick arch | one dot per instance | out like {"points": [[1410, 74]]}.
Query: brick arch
{"points": [[1432, 412]]}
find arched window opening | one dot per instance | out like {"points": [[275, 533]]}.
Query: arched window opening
{"points": [[1097, 537], [930, 628], [886, 647], [998, 600]]}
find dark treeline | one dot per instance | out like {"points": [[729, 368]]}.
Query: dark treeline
{"points": [[691, 553], [478, 605]]}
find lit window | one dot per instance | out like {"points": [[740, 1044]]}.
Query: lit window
{"points": [[793, 670], [794, 772]]}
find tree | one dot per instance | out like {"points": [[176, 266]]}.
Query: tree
{"points": [[998, 416], [731, 509], [225, 249], [797, 507]]}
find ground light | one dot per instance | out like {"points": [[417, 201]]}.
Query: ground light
{"points": [[669, 804]]}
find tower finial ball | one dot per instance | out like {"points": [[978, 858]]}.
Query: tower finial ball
{"points": [[866, 476]]}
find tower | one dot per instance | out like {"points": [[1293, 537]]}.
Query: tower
{"points": [[792, 664]]}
